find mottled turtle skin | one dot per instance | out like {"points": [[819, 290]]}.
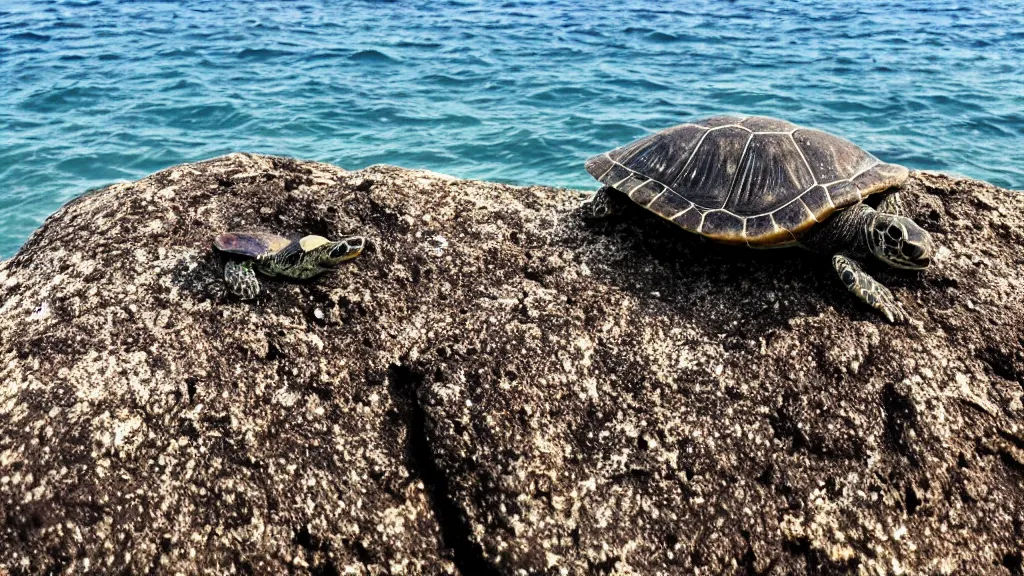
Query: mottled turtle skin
{"points": [[766, 183], [272, 255]]}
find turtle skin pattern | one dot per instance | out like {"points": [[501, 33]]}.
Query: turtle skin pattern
{"points": [[863, 286], [241, 279]]}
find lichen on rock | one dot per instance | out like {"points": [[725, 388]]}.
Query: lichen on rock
{"points": [[497, 386]]}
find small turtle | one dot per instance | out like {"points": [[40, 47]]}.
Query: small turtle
{"points": [[767, 183], [273, 255]]}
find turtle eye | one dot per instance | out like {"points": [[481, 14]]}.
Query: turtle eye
{"points": [[894, 234]]}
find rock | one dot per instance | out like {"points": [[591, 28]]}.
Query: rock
{"points": [[498, 387]]}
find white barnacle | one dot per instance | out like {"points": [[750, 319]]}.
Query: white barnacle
{"points": [[437, 244]]}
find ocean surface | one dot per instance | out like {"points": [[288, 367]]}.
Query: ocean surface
{"points": [[92, 92]]}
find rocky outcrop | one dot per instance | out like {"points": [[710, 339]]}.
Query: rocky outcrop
{"points": [[498, 387]]}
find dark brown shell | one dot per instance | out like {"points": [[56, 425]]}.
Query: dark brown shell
{"points": [[758, 181], [251, 244]]}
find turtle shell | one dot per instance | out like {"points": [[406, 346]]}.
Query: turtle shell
{"points": [[744, 180], [252, 244]]}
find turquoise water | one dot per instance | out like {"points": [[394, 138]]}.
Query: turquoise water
{"points": [[98, 91]]}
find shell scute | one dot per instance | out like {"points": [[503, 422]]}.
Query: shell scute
{"points": [[771, 174], [723, 226], [668, 204], [844, 193], [766, 124], [689, 219], [880, 177], [312, 242], [817, 201], [707, 177], [831, 158], [663, 155], [631, 186], [646, 192], [760, 229], [719, 121], [616, 175], [252, 244], [794, 217]]}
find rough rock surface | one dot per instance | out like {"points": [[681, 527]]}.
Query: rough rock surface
{"points": [[499, 387]]}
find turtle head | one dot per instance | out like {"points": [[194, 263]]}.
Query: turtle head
{"points": [[334, 253], [900, 242], [328, 254]]}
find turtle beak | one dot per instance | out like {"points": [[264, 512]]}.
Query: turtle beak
{"points": [[915, 252], [347, 249], [918, 255]]}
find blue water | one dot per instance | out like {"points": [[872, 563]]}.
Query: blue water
{"points": [[97, 91]]}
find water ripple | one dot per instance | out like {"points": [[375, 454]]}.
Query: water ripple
{"points": [[372, 57]]}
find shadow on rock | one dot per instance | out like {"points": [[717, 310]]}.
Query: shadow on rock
{"points": [[719, 287]]}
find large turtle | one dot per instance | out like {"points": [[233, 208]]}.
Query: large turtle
{"points": [[768, 183], [250, 252]]}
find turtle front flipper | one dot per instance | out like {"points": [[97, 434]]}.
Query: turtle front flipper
{"points": [[241, 279], [893, 204], [868, 289]]}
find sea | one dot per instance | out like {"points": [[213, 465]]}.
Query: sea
{"points": [[99, 91]]}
